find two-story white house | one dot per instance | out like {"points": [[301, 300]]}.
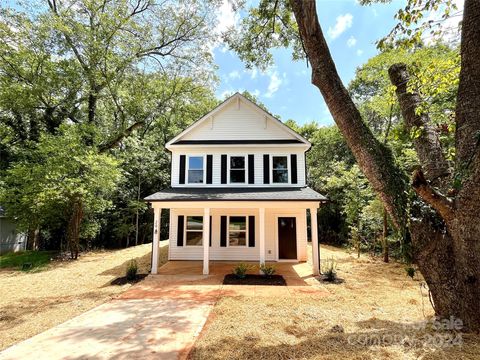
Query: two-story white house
{"points": [[238, 190]]}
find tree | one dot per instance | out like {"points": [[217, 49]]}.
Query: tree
{"points": [[443, 225], [110, 68], [61, 181]]}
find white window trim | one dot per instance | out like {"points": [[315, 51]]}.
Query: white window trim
{"points": [[185, 231], [289, 169], [229, 156], [204, 178], [246, 232]]}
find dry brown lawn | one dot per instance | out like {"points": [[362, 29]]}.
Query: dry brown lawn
{"points": [[375, 305], [33, 302]]}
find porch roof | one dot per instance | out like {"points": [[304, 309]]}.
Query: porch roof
{"points": [[237, 194]]}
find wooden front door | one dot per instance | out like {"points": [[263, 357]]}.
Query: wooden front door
{"points": [[287, 238]]}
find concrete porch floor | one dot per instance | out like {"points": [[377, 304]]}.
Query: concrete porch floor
{"points": [[183, 280]]}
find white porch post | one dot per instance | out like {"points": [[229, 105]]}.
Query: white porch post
{"points": [[206, 240], [157, 214], [314, 225], [261, 220]]}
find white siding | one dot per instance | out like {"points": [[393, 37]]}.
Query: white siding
{"points": [[257, 151], [238, 123], [239, 253]]}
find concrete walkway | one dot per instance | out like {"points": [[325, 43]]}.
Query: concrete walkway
{"points": [[121, 329]]}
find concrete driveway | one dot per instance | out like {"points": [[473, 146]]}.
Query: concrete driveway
{"points": [[121, 329]]}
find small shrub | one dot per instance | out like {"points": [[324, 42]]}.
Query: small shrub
{"points": [[240, 270], [267, 270], [328, 269], [410, 271], [132, 269]]}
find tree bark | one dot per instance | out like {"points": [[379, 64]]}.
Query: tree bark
{"points": [[384, 237]]}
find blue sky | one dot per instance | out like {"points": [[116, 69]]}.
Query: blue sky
{"points": [[351, 31]]}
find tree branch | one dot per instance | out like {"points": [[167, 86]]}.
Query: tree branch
{"points": [[116, 141], [443, 205], [374, 158], [427, 144]]}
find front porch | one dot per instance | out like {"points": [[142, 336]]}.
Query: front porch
{"points": [[203, 232]]}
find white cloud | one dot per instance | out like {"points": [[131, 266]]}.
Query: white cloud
{"points": [[226, 16], [274, 84], [449, 28], [343, 23], [234, 75], [351, 42], [256, 93], [359, 52]]}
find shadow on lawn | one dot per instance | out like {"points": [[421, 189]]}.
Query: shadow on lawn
{"points": [[14, 314], [380, 340]]}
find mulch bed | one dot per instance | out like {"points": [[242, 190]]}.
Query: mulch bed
{"points": [[251, 279], [123, 280]]}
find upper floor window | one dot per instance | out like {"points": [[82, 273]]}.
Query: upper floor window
{"points": [[280, 169], [237, 169], [195, 170], [237, 231], [194, 231]]}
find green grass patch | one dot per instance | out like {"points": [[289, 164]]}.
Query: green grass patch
{"points": [[21, 260]]}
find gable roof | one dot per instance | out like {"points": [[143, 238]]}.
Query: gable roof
{"points": [[295, 138]]}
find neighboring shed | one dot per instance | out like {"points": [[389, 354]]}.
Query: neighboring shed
{"points": [[10, 239]]}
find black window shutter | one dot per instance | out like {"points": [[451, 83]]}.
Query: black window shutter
{"points": [[209, 168], [251, 169], [266, 169], [180, 226], [210, 232], [293, 165], [251, 231], [224, 169], [181, 179], [223, 231]]}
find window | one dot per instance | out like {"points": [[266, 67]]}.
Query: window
{"points": [[194, 231], [280, 169], [195, 170], [237, 231], [237, 169]]}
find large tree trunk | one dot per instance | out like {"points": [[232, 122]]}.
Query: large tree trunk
{"points": [[445, 237]]}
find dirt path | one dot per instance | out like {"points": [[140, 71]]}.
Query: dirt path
{"points": [[34, 302]]}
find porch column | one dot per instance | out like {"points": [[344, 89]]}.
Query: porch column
{"points": [[261, 220], [157, 215], [315, 260], [206, 240]]}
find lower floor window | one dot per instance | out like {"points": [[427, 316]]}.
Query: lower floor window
{"points": [[194, 231], [237, 231]]}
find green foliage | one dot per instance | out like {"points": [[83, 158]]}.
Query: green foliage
{"points": [[267, 270], [328, 269], [37, 260], [241, 270], [420, 20], [410, 271], [41, 187], [131, 271], [107, 83]]}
